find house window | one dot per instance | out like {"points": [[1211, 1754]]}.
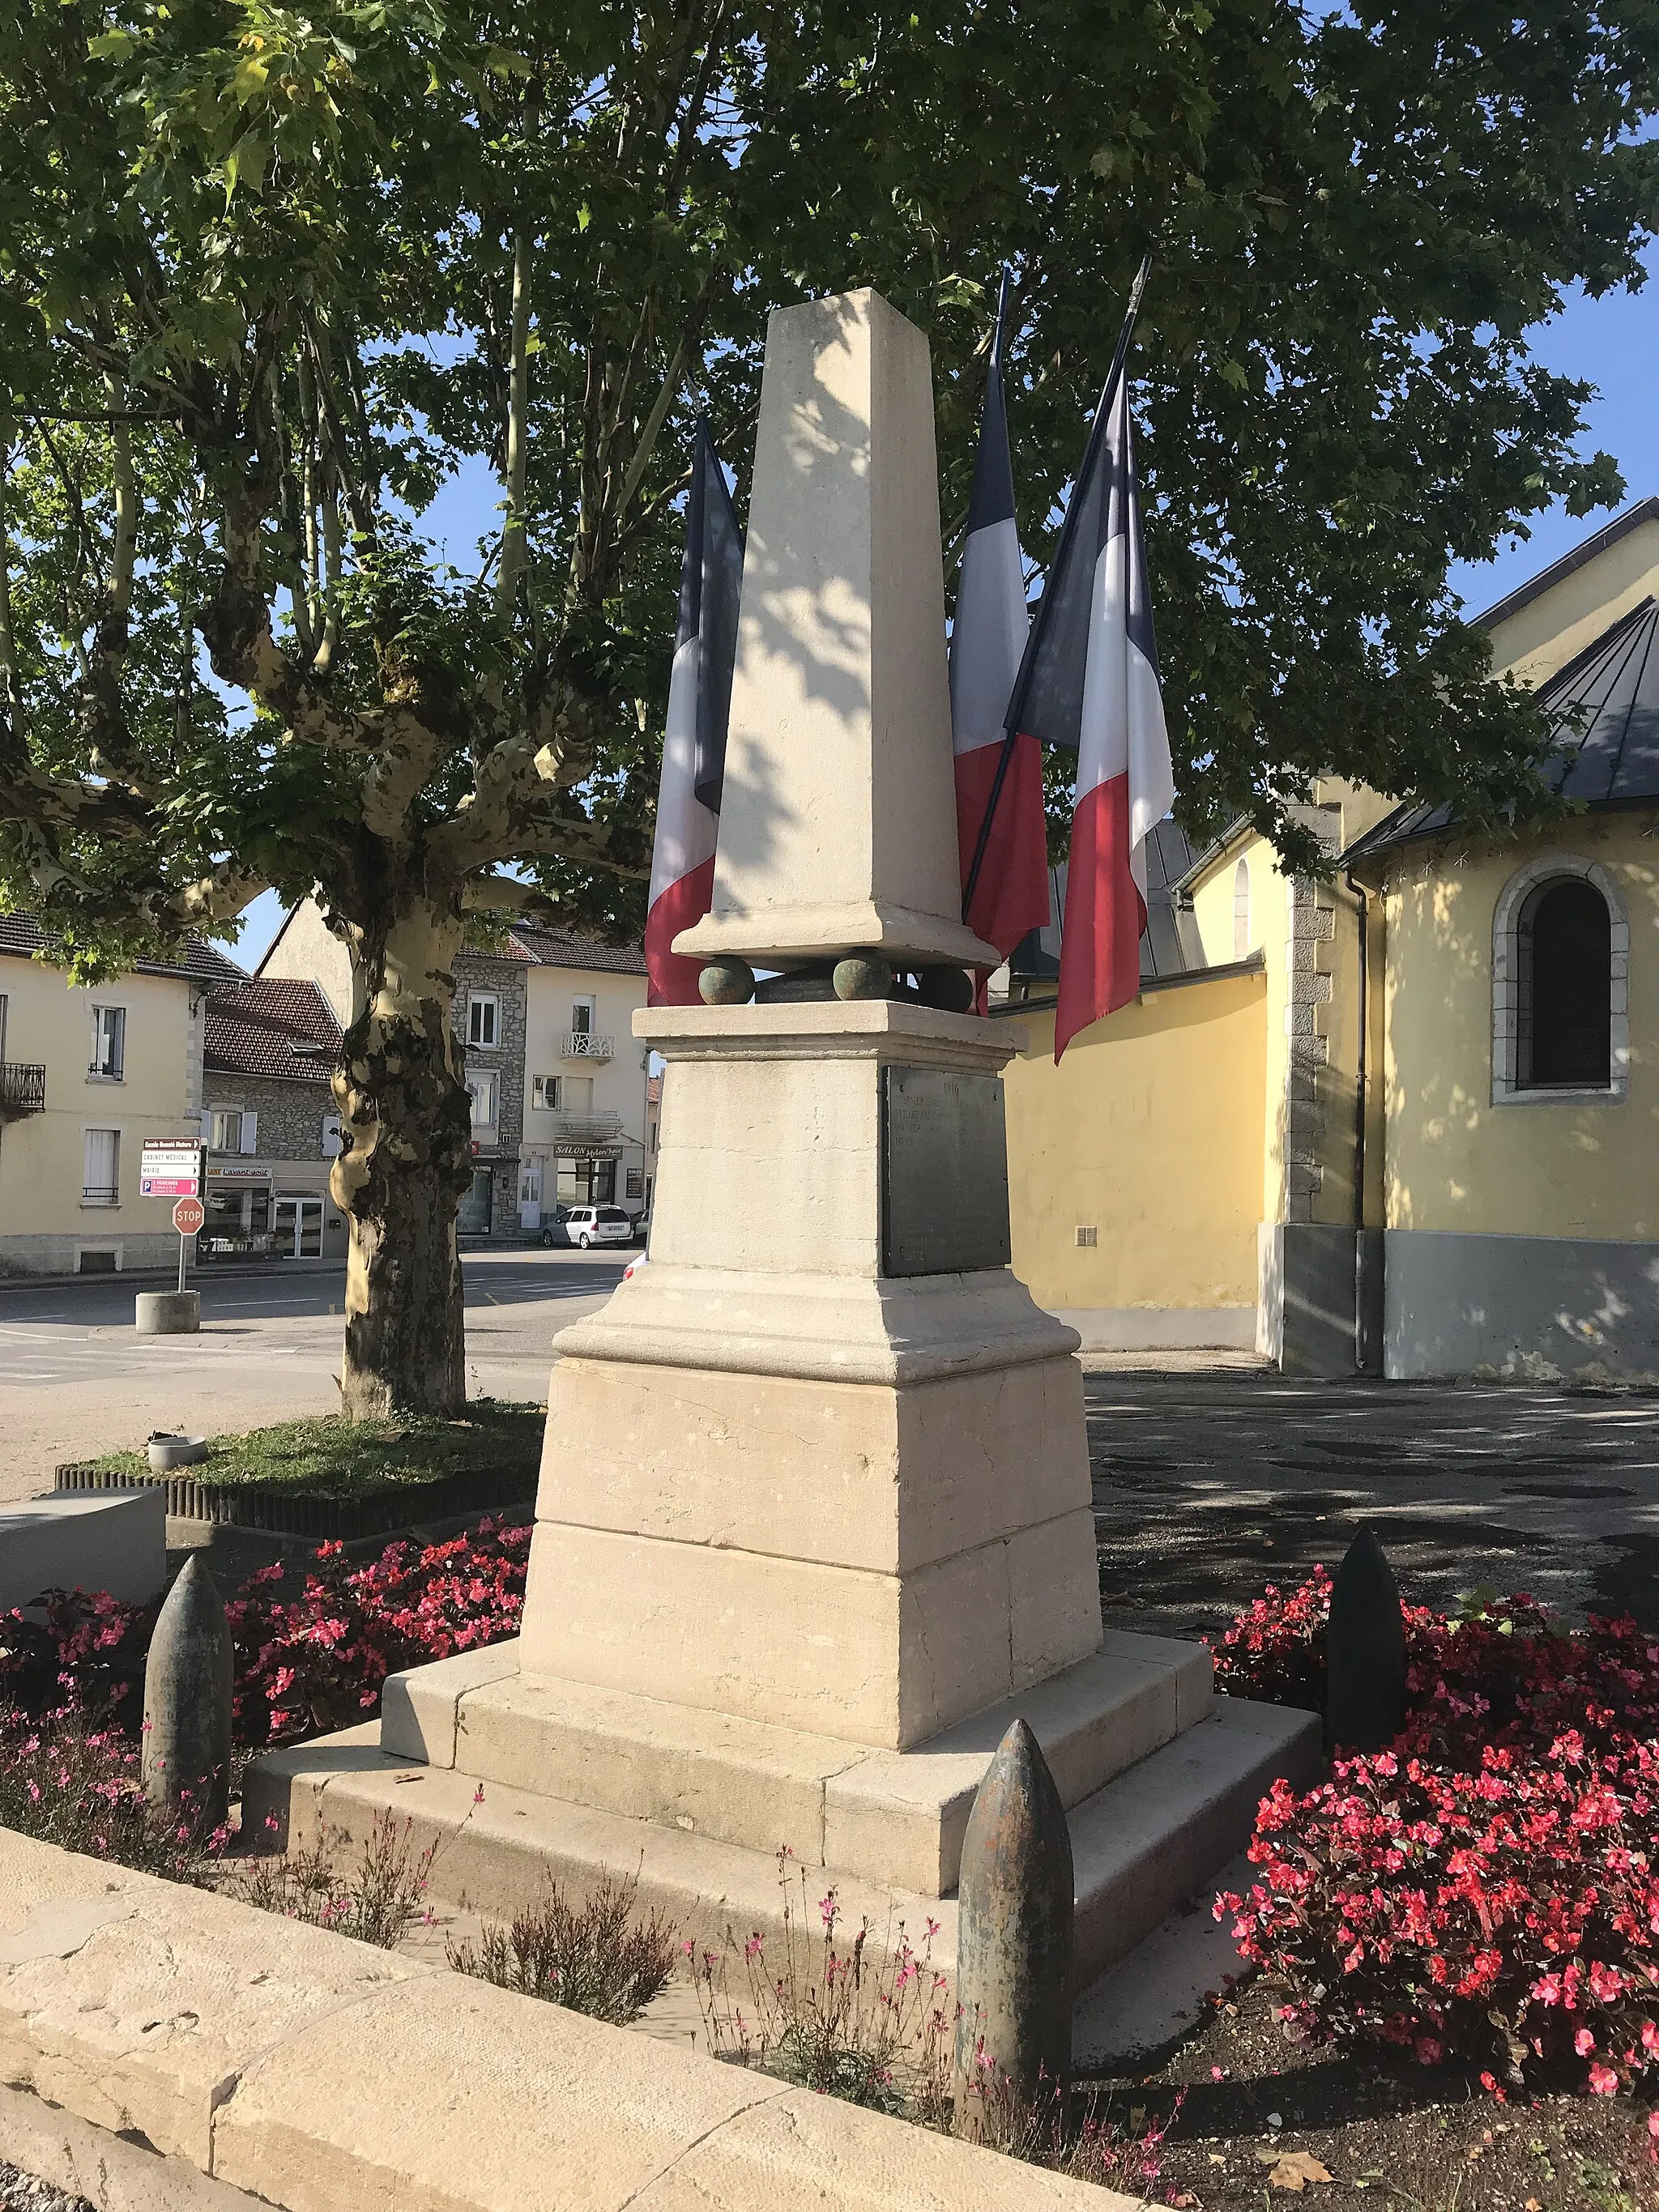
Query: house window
{"points": [[1240, 911], [101, 1166], [333, 1142], [481, 1088], [484, 1014], [581, 1018], [1560, 983], [109, 1043], [1564, 1032], [228, 1129], [545, 1091]]}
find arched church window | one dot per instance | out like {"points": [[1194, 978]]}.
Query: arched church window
{"points": [[1563, 1028], [1240, 911]]}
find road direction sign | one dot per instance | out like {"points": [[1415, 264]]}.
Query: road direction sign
{"points": [[171, 1167], [188, 1215]]}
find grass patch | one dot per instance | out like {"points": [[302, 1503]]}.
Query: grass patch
{"points": [[327, 1456]]}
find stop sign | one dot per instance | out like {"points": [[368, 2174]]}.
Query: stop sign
{"points": [[188, 1215]]}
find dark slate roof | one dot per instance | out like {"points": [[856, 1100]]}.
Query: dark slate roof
{"points": [[1603, 710], [1169, 943], [270, 1025], [555, 948], [197, 960]]}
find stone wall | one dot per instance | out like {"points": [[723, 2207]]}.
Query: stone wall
{"points": [[290, 1112], [479, 971]]}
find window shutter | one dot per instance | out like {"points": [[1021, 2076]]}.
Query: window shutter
{"points": [[250, 1132], [206, 1126]]}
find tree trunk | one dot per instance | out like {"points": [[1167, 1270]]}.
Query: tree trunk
{"points": [[407, 1131]]}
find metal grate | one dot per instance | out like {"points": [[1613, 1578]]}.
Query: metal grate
{"points": [[22, 1088]]}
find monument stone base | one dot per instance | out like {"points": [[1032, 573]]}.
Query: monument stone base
{"points": [[516, 1779]]}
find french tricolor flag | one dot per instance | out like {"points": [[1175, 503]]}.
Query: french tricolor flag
{"points": [[1002, 835], [694, 742], [1090, 683]]}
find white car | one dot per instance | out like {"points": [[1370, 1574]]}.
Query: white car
{"points": [[588, 1225]]}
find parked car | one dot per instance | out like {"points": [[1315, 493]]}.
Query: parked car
{"points": [[642, 1226], [555, 1226], [598, 1224]]}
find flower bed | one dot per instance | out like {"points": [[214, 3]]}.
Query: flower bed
{"points": [[304, 1664], [1485, 1888]]}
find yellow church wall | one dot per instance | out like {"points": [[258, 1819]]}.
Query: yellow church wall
{"points": [[1150, 1131], [1578, 1168], [1268, 933], [1546, 632]]}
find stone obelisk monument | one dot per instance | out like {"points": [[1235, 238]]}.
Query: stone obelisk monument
{"points": [[822, 1462], [814, 1522]]}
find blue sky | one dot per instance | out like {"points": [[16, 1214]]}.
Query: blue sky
{"points": [[1608, 343]]}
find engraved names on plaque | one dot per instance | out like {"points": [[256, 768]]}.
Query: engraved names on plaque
{"points": [[944, 1172]]}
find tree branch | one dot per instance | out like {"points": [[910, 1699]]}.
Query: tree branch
{"points": [[511, 571]]}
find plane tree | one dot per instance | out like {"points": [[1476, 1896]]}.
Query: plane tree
{"points": [[275, 280]]}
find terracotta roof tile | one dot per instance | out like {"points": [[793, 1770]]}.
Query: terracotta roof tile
{"points": [[553, 948], [254, 1026], [201, 962]]}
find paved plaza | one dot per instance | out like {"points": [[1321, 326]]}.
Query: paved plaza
{"points": [[1213, 1474], [1212, 1480]]}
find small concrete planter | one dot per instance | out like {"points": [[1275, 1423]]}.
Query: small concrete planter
{"points": [[168, 1313], [167, 1452]]}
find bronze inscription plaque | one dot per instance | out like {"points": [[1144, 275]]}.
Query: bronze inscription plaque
{"points": [[944, 1172]]}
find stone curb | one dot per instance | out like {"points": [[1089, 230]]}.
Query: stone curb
{"points": [[242, 2057]]}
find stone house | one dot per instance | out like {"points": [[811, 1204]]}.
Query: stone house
{"points": [[544, 1032], [86, 1075], [1402, 1117], [585, 1122], [270, 1123], [487, 1016]]}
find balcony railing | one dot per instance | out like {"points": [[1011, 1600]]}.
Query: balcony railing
{"points": [[587, 1128], [586, 1044], [22, 1090], [100, 1194]]}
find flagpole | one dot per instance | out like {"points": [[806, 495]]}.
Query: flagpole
{"points": [[1114, 375]]}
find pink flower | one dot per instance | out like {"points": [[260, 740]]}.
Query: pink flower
{"points": [[1584, 2043], [1603, 2080]]}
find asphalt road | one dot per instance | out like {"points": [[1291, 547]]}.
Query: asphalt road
{"points": [[70, 1308], [76, 1379]]}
